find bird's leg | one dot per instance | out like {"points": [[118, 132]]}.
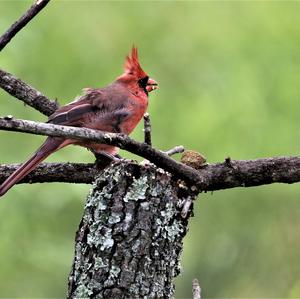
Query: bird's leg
{"points": [[118, 156], [103, 159]]}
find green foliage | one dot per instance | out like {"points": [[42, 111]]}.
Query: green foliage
{"points": [[229, 77]]}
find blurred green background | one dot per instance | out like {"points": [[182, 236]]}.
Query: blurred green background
{"points": [[229, 75]]}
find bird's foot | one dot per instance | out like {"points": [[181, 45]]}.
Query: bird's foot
{"points": [[104, 158]]}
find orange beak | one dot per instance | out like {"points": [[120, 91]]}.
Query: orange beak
{"points": [[151, 85]]}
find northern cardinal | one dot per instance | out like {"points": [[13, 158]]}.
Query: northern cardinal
{"points": [[117, 108]]}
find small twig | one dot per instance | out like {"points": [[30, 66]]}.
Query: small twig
{"points": [[24, 92], [196, 289], [22, 22], [175, 150], [147, 129]]}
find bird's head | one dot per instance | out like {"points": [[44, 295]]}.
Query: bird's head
{"points": [[134, 76]]}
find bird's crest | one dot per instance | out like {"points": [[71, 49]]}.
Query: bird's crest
{"points": [[132, 65]]}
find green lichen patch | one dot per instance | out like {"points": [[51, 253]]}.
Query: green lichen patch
{"points": [[137, 190], [114, 218], [100, 237], [82, 292], [100, 263]]}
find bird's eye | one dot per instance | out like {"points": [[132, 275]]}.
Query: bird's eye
{"points": [[143, 82]]}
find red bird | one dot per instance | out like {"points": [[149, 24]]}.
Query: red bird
{"points": [[116, 108]]}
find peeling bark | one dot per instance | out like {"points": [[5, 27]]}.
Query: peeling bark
{"points": [[130, 237]]}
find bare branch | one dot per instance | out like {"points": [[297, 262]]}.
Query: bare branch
{"points": [[120, 140], [228, 174], [214, 176], [249, 173], [79, 173], [147, 129], [24, 92], [22, 22], [175, 150]]}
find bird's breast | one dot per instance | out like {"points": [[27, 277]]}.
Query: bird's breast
{"points": [[137, 109]]}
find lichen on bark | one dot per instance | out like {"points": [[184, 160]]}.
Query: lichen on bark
{"points": [[129, 240]]}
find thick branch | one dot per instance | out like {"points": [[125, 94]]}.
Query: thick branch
{"points": [[22, 22], [249, 173], [24, 92], [214, 177], [79, 173], [122, 141]]}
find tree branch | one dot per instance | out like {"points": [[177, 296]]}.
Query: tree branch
{"points": [[249, 173], [24, 92], [120, 140], [175, 150], [79, 173], [229, 174], [22, 22]]}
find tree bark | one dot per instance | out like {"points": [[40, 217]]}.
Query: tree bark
{"points": [[130, 237]]}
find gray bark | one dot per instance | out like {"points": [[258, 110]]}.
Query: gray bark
{"points": [[129, 240]]}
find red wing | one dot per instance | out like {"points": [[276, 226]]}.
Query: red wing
{"points": [[72, 113], [71, 116], [101, 109]]}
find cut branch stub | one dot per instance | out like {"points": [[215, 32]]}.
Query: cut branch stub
{"points": [[130, 238]]}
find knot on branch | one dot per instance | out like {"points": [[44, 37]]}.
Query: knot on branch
{"points": [[129, 241]]}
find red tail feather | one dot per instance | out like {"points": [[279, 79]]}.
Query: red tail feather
{"points": [[50, 146]]}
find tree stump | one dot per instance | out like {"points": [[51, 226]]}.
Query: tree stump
{"points": [[129, 240]]}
